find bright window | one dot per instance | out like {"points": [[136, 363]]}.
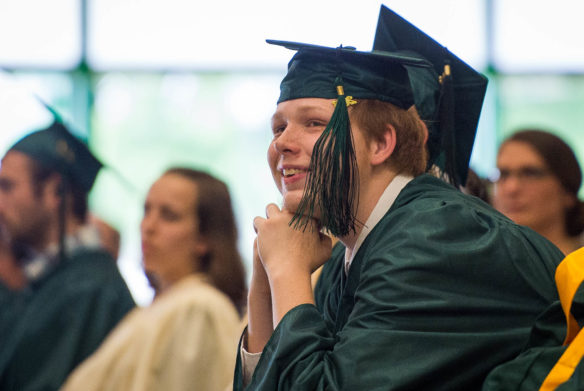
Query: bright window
{"points": [[538, 36], [40, 33]]}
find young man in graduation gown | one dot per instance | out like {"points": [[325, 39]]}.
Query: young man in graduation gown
{"points": [[429, 288], [74, 293]]}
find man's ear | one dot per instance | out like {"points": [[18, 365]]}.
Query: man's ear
{"points": [[426, 132], [383, 147]]}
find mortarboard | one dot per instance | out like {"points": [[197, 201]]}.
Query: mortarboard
{"points": [[451, 139], [56, 148], [400, 70], [365, 75], [42, 135]]}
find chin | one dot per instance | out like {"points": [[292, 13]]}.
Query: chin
{"points": [[148, 264], [291, 204], [290, 201], [518, 218]]}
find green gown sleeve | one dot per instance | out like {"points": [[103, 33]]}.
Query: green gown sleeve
{"points": [[66, 317], [439, 293]]}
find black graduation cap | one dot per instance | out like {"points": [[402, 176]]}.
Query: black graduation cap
{"points": [[405, 68], [56, 148], [453, 117], [314, 70]]}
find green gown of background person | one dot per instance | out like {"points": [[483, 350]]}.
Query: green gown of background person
{"points": [[10, 301], [442, 290], [68, 313]]}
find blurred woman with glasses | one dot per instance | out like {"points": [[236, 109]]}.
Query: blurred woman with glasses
{"points": [[538, 184]]}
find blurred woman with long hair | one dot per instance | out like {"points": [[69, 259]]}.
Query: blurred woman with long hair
{"points": [[187, 339]]}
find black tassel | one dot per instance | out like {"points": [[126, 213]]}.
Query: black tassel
{"points": [[63, 189], [333, 179], [447, 129]]}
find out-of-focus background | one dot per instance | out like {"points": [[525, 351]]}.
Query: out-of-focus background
{"points": [[156, 83]]}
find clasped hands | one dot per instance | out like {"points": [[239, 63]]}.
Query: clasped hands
{"points": [[286, 251]]}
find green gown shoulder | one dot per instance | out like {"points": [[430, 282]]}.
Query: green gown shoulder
{"points": [[67, 315]]}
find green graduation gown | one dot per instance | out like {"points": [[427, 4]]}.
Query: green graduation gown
{"points": [[442, 290], [545, 347], [10, 302], [66, 316]]}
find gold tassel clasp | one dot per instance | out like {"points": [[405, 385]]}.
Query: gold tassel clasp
{"points": [[349, 101], [62, 148], [445, 74]]}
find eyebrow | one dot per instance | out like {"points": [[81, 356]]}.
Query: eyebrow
{"points": [[302, 110]]}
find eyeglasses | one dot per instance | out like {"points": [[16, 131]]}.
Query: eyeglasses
{"points": [[523, 174]]}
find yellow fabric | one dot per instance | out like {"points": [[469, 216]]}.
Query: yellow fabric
{"points": [[569, 277], [186, 340]]}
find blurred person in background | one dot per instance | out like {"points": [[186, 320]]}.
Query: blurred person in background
{"points": [[187, 338], [73, 293], [11, 275], [477, 186], [107, 235], [538, 184]]}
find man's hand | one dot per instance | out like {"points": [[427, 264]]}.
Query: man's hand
{"points": [[289, 257], [284, 248]]}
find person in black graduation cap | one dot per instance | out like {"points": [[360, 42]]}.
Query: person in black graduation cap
{"points": [[428, 288], [74, 293]]}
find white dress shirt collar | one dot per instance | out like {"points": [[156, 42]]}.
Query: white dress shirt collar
{"points": [[383, 204]]}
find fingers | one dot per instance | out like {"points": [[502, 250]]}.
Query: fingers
{"points": [[257, 222], [256, 254], [271, 209]]}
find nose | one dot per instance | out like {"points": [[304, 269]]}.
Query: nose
{"points": [[286, 142], [147, 225], [509, 187]]}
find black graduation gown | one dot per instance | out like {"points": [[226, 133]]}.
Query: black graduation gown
{"points": [[442, 290], [66, 316]]}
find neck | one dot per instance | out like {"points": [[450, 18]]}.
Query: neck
{"points": [[370, 192], [557, 235], [565, 243], [72, 225], [10, 272]]}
